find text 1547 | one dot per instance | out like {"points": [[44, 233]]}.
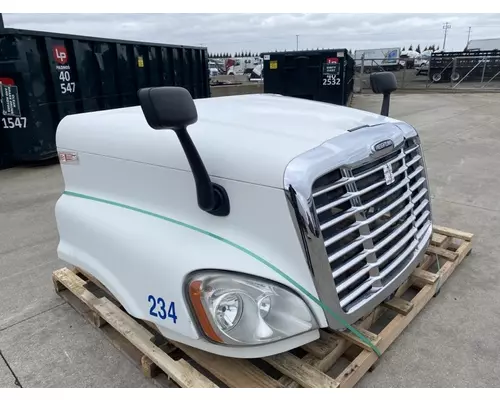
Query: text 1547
{"points": [[13, 122]]}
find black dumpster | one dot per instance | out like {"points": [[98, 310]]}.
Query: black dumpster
{"points": [[46, 76], [321, 75]]}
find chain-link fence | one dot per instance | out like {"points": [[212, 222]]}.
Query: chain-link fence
{"points": [[445, 71]]}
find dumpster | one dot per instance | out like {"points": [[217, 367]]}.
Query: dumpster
{"points": [[45, 76], [321, 75]]}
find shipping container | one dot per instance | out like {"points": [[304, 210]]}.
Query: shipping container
{"points": [[45, 76], [469, 66], [321, 75]]}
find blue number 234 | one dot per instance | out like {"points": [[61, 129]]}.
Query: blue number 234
{"points": [[158, 309]]}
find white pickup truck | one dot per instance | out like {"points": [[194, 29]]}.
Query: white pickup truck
{"points": [[272, 218]]}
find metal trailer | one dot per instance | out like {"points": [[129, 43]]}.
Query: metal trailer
{"points": [[45, 76], [471, 66], [322, 75], [373, 60]]}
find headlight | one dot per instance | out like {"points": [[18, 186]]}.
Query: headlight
{"points": [[239, 310]]}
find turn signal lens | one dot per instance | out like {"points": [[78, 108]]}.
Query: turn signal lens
{"points": [[195, 296]]}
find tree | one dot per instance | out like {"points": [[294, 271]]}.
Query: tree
{"points": [[410, 48], [403, 49], [425, 48], [418, 48], [437, 48]]}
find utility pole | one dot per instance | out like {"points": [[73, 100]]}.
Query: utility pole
{"points": [[446, 26], [468, 36], [297, 42], [1, 22]]}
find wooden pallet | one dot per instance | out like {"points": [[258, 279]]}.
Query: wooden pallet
{"points": [[334, 360]]}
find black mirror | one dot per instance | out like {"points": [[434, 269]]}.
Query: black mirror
{"points": [[168, 107], [174, 108], [384, 83]]}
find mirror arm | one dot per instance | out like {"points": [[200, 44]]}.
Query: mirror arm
{"points": [[212, 197], [385, 104]]}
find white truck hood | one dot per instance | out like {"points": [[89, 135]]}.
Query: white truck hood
{"points": [[249, 138]]}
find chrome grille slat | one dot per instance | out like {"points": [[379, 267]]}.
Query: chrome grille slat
{"points": [[416, 172], [354, 210], [395, 248], [401, 257], [387, 220], [337, 273], [408, 151], [350, 195], [420, 194], [369, 266], [335, 203], [340, 183], [372, 171], [413, 160], [342, 269], [354, 278], [417, 184], [419, 209], [347, 266], [355, 293], [381, 229], [422, 219], [356, 225], [357, 242], [423, 229]]}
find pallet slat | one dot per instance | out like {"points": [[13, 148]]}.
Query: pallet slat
{"points": [[372, 337], [312, 370], [322, 346], [453, 233], [233, 372], [450, 255], [399, 305], [424, 277], [302, 373], [437, 239]]}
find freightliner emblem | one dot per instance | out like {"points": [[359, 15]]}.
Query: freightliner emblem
{"points": [[383, 147]]}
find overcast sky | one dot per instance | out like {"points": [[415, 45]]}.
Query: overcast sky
{"points": [[267, 32]]}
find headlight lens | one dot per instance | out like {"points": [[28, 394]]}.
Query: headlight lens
{"points": [[240, 310]]}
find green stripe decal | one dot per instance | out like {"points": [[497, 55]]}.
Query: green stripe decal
{"points": [[244, 250]]}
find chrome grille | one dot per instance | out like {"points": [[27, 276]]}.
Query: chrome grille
{"points": [[372, 217]]}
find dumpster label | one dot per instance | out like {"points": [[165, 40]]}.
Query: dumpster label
{"points": [[273, 64], [331, 80], [331, 68], [13, 122], [267, 57], [10, 101], [65, 83], [140, 62], [60, 54]]}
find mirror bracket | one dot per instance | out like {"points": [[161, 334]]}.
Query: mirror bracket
{"points": [[173, 108]]}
